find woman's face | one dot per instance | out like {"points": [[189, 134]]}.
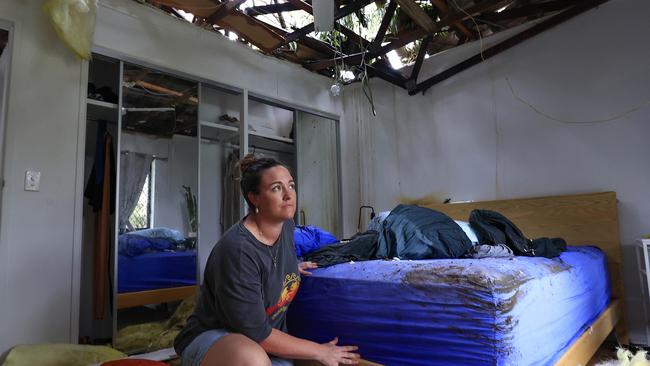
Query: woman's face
{"points": [[277, 194]]}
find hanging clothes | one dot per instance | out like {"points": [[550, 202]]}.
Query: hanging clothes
{"points": [[230, 192], [100, 192], [95, 184]]}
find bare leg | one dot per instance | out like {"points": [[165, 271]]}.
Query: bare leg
{"points": [[236, 350]]}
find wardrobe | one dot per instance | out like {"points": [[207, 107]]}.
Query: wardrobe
{"points": [[162, 185]]}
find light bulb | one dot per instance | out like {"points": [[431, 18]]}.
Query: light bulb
{"points": [[335, 89]]}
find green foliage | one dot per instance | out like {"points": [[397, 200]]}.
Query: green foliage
{"points": [[190, 201]]}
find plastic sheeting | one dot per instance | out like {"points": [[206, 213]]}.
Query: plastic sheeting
{"points": [[156, 270], [74, 22], [494, 311]]}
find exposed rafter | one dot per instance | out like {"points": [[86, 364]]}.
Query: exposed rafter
{"points": [[508, 43], [438, 26], [418, 62], [383, 27], [340, 13], [406, 37], [419, 16], [533, 10], [270, 9], [444, 10], [224, 9]]}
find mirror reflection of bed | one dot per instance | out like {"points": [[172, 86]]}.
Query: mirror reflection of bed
{"points": [[157, 213]]}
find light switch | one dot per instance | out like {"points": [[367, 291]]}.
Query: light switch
{"points": [[32, 180]]}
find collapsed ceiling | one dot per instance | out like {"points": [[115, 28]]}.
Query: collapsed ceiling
{"points": [[371, 37]]}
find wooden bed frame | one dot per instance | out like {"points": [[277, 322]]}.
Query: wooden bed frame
{"points": [[585, 219], [133, 299]]}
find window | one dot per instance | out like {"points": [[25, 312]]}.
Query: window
{"points": [[142, 217]]}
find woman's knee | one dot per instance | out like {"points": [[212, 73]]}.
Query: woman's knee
{"points": [[236, 350]]}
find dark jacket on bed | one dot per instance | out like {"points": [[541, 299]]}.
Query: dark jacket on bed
{"points": [[361, 247], [493, 228], [413, 232]]}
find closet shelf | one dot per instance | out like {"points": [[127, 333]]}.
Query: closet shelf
{"points": [[100, 110], [219, 126], [253, 133], [101, 104], [271, 137]]}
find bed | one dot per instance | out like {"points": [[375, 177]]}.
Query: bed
{"points": [[154, 270], [520, 311]]}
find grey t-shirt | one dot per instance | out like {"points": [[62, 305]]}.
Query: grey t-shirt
{"points": [[243, 291]]}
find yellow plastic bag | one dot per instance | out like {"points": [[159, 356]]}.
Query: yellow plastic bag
{"points": [[74, 22]]}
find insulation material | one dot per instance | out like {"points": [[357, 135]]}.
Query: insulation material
{"points": [[153, 336], [74, 22], [60, 355]]}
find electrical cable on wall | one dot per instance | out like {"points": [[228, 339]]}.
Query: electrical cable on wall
{"points": [[538, 110], [365, 85], [478, 30], [565, 121]]}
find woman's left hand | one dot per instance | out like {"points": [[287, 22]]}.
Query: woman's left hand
{"points": [[304, 266]]}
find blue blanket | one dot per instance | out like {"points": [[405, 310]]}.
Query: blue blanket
{"points": [[310, 238], [148, 240]]}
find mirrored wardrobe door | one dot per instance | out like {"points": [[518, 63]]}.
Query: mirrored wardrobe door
{"points": [[219, 208], [319, 199], [157, 213]]}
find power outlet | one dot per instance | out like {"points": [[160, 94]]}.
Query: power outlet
{"points": [[32, 181]]}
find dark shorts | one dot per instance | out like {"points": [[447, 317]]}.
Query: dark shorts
{"points": [[196, 350]]}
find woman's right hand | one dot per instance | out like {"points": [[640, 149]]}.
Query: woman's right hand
{"points": [[333, 355]]}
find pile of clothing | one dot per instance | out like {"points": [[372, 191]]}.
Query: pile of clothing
{"points": [[413, 232]]}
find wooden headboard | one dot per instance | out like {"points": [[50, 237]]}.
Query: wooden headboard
{"points": [[584, 219]]}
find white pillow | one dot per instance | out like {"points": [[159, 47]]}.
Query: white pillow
{"points": [[468, 230]]}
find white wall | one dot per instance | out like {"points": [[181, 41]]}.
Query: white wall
{"points": [[469, 138], [36, 236], [39, 262]]}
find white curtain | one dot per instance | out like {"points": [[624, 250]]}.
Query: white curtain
{"points": [[366, 126], [134, 168]]}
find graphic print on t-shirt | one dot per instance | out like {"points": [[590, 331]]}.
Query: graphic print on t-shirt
{"points": [[289, 289]]}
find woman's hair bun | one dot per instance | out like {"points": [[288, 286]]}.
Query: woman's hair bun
{"points": [[246, 162]]}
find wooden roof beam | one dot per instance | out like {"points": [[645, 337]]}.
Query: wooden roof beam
{"points": [[352, 35], [444, 10], [418, 62], [529, 10], [409, 36], [224, 9], [315, 44], [383, 27], [419, 16], [382, 70], [508, 43], [301, 5], [448, 20], [342, 29], [270, 9], [338, 14]]}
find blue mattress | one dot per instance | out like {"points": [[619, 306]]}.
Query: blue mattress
{"points": [[495, 311], [156, 270]]}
